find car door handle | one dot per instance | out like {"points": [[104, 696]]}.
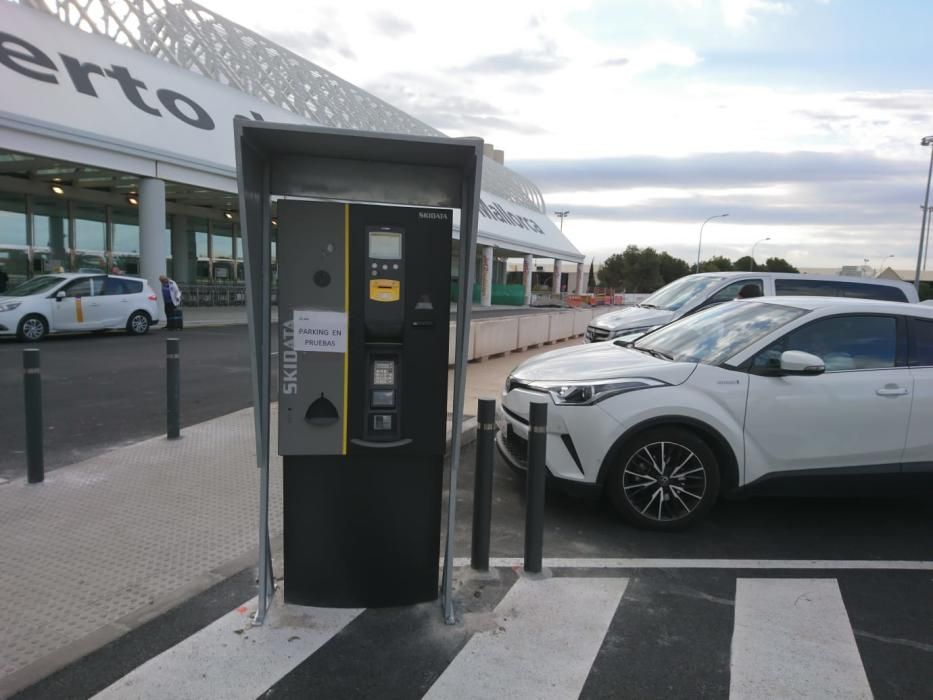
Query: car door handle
{"points": [[892, 391]]}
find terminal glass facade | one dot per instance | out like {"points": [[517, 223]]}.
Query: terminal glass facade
{"points": [[44, 234]]}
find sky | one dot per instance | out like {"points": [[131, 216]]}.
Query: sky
{"points": [[801, 119]]}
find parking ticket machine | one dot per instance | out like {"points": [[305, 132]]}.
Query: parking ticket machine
{"points": [[364, 310]]}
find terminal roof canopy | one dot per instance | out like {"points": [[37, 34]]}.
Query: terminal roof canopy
{"points": [[199, 73]]}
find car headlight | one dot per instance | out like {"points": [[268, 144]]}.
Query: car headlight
{"points": [[584, 393], [10, 306]]}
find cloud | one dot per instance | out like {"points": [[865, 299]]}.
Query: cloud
{"points": [[310, 44], [710, 170], [739, 14], [616, 62], [427, 100], [390, 25], [520, 61]]}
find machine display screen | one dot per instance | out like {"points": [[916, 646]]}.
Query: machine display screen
{"points": [[385, 245]]}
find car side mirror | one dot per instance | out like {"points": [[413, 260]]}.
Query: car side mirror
{"points": [[797, 362], [59, 295]]}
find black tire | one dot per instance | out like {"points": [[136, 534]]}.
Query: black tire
{"points": [[680, 475], [138, 323], [32, 328]]}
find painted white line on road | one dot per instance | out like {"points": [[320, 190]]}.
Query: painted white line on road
{"points": [[792, 639], [634, 563], [546, 636], [232, 659]]}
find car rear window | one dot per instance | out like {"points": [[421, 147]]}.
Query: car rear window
{"points": [[831, 288], [115, 285]]}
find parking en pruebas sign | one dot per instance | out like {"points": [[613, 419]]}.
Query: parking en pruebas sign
{"points": [[320, 331]]}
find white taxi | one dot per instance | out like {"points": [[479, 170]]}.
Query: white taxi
{"points": [[71, 302]]}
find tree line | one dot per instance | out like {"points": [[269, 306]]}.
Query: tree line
{"points": [[641, 270]]}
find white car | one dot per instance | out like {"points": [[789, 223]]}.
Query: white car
{"points": [[77, 302], [692, 293], [735, 396]]}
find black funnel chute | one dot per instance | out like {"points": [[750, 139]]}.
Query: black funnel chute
{"points": [[321, 411]]}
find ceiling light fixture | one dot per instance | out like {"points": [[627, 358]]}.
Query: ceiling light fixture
{"points": [[132, 199], [58, 189], [228, 214]]}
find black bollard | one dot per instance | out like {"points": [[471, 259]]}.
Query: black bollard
{"points": [[482, 484], [534, 507], [172, 388], [32, 388]]}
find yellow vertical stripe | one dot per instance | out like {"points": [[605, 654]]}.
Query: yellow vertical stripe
{"points": [[79, 312], [346, 310]]}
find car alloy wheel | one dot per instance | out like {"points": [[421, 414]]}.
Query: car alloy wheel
{"points": [[665, 479], [139, 323], [33, 328]]}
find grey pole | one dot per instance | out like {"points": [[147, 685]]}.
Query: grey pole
{"points": [[32, 389], [468, 228], [482, 484], [926, 245], [751, 265], [700, 244], [535, 482], [926, 141], [172, 389]]}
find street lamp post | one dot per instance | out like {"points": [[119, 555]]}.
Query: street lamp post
{"points": [[751, 265], [561, 215], [700, 244], [925, 141]]}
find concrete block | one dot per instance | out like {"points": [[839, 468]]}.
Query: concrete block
{"points": [[533, 330], [452, 343], [581, 318], [495, 336], [561, 326]]}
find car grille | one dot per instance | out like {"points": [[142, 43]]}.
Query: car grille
{"points": [[516, 446], [596, 335]]}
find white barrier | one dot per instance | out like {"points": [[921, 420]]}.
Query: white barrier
{"points": [[561, 326], [533, 330], [452, 344], [581, 318], [494, 336]]}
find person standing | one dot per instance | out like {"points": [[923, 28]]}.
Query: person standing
{"points": [[171, 296], [4, 278]]}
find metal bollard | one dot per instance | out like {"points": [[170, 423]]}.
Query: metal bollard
{"points": [[172, 389], [482, 484], [534, 507], [32, 389]]}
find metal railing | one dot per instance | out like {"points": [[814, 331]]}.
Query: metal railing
{"points": [[198, 295]]}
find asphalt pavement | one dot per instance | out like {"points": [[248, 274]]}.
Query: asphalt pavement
{"points": [[830, 597], [101, 391]]}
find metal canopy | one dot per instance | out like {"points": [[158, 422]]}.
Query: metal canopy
{"points": [[275, 160]]}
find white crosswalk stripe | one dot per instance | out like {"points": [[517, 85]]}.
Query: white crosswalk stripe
{"points": [[792, 639], [230, 658], [546, 636]]}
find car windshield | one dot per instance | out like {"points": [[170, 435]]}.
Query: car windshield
{"points": [[716, 334], [674, 295], [36, 285]]}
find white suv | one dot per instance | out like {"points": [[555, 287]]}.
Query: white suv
{"points": [[77, 302], [689, 294], [736, 395]]}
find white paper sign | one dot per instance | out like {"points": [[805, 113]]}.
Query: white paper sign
{"points": [[320, 331]]}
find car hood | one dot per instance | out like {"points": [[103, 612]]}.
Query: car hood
{"points": [[633, 317], [600, 361]]}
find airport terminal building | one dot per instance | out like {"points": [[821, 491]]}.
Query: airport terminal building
{"points": [[116, 144]]}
